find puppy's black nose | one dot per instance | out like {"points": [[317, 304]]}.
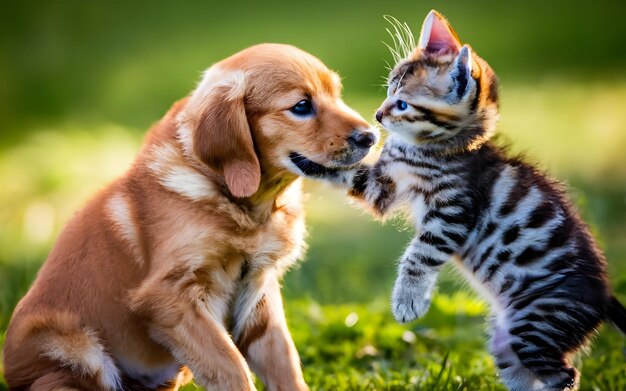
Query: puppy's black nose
{"points": [[379, 115], [362, 139]]}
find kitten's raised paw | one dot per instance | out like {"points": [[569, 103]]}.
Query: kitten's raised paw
{"points": [[407, 305]]}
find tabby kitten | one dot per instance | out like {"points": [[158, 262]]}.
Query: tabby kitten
{"points": [[509, 229]]}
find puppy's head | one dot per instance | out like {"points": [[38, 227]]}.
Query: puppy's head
{"points": [[272, 107]]}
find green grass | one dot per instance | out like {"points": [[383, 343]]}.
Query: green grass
{"points": [[443, 351], [349, 268]]}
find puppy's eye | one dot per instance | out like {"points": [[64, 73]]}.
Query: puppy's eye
{"points": [[401, 105], [303, 108]]}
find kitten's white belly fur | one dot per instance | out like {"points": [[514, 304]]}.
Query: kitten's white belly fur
{"points": [[418, 211], [479, 286]]}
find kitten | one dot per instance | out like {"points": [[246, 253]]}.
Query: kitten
{"points": [[509, 228]]}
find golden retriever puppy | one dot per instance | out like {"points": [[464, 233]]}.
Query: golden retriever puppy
{"points": [[176, 266]]}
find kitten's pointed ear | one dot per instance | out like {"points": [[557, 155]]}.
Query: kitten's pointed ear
{"points": [[437, 34], [462, 72]]}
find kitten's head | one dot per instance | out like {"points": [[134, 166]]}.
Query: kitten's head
{"points": [[441, 93]]}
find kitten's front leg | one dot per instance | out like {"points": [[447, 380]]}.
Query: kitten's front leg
{"points": [[417, 274], [368, 184], [340, 177]]}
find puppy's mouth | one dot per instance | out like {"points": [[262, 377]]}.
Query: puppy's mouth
{"points": [[309, 167]]}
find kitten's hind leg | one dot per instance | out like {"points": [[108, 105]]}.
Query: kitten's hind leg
{"points": [[527, 366]]}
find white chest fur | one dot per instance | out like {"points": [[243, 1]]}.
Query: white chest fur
{"points": [[418, 210], [485, 293]]}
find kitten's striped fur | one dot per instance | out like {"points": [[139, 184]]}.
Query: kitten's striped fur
{"points": [[508, 227]]}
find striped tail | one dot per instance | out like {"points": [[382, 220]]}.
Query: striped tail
{"points": [[617, 314]]}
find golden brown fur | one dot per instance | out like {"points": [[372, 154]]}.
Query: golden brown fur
{"points": [[179, 261]]}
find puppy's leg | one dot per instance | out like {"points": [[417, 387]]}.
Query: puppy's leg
{"points": [[206, 348], [64, 380], [262, 335], [182, 320], [53, 350]]}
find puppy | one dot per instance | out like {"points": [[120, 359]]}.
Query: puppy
{"points": [[176, 265]]}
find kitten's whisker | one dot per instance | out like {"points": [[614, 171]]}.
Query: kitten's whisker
{"points": [[388, 67], [402, 36], [394, 53]]}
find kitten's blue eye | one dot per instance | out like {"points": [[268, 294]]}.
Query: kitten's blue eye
{"points": [[401, 105], [303, 108]]}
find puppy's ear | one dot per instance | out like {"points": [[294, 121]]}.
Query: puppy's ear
{"points": [[221, 134]]}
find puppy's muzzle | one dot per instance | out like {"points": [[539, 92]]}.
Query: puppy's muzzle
{"points": [[358, 146], [362, 139]]}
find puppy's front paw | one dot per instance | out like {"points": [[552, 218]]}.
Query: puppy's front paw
{"points": [[407, 304]]}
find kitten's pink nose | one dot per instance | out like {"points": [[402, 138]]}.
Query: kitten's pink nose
{"points": [[379, 115]]}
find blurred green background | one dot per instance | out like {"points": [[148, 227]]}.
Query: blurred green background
{"points": [[80, 82]]}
